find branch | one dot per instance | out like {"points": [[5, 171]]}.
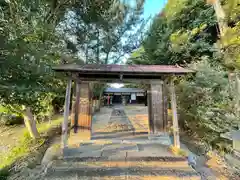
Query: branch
{"points": [[55, 7]]}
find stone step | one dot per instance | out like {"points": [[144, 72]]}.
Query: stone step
{"points": [[161, 141], [121, 160], [123, 177], [102, 170], [123, 157]]}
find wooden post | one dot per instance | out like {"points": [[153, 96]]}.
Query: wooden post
{"points": [[165, 105], [83, 115], [174, 115], [150, 118], [76, 107], [156, 108], [66, 114]]}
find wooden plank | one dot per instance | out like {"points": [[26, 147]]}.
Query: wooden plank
{"points": [[157, 106], [174, 115], [66, 114]]}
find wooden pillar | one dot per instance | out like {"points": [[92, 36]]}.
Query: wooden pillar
{"points": [[165, 106], [66, 114], [174, 115], [157, 121], [82, 120], [85, 115], [76, 107], [150, 117]]}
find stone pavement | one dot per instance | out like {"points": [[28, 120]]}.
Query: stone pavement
{"points": [[138, 115], [119, 151]]}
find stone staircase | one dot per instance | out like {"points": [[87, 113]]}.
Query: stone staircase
{"points": [[124, 154], [116, 161], [117, 167]]}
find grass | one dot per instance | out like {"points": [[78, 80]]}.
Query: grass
{"points": [[44, 127], [178, 151], [26, 144]]}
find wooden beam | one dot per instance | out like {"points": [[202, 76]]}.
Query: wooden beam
{"points": [[116, 79], [76, 107], [66, 114], [174, 115]]}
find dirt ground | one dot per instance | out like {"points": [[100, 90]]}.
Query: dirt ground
{"points": [[9, 137]]}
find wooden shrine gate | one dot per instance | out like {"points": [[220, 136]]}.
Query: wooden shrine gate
{"points": [[158, 77]]}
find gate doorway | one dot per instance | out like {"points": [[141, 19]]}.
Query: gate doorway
{"points": [[160, 80]]}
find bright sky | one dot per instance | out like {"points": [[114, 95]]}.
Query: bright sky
{"points": [[151, 8]]}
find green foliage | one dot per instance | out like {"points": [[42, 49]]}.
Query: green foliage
{"points": [[231, 7], [181, 34], [138, 56], [28, 50], [186, 32], [205, 103], [113, 32], [231, 45], [9, 120], [98, 90]]}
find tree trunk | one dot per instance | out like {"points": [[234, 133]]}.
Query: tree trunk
{"points": [[30, 123], [106, 58], [99, 100], [98, 47], [220, 14], [86, 53]]}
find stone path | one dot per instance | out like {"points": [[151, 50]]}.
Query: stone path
{"points": [[118, 151], [138, 115]]}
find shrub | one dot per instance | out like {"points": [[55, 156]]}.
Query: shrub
{"points": [[6, 119], [205, 105]]}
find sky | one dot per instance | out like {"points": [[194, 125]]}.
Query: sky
{"points": [[151, 8]]}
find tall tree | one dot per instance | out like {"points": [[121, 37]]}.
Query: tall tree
{"points": [[112, 33], [182, 36], [28, 50], [188, 32]]}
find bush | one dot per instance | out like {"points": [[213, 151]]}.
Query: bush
{"points": [[205, 106], [8, 120]]}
